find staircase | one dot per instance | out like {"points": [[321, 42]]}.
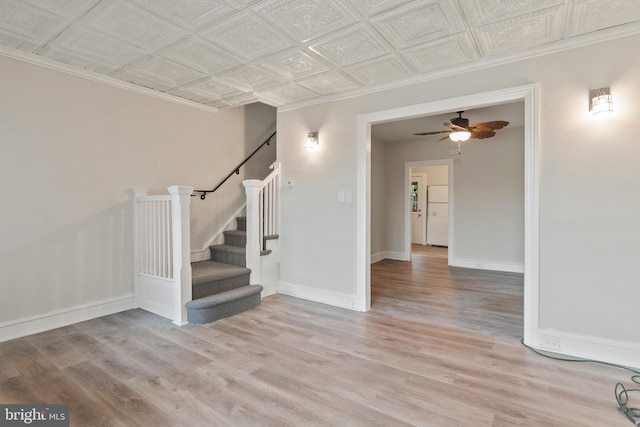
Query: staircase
{"points": [[220, 287]]}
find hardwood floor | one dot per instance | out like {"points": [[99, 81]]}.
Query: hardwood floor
{"points": [[440, 347]]}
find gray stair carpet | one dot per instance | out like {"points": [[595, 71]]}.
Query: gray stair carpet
{"points": [[221, 286]]}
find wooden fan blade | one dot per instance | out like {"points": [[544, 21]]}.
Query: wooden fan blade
{"points": [[482, 134], [487, 126], [432, 133], [454, 128]]}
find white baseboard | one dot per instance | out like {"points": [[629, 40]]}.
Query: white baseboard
{"points": [[59, 318], [336, 299], [588, 347], [398, 256], [377, 257], [487, 265]]}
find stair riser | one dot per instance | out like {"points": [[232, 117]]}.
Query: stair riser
{"points": [[207, 315], [241, 223], [228, 257], [235, 240], [223, 285]]}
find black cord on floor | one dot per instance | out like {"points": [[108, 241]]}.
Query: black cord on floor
{"points": [[621, 393]]}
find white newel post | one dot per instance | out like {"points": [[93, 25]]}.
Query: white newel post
{"points": [[253, 187], [180, 212]]}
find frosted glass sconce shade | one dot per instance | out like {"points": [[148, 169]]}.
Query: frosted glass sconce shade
{"points": [[600, 101], [312, 141]]}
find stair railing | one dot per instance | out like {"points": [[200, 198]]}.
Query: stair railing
{"points": [[236, 170], [162, 243], [263, 218]]}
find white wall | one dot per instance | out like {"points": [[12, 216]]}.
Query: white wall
{"points": [[378, 199], [589, 182], [70, 151], [436, 175]]}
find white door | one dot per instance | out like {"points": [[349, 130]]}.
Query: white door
{"points": [[417, 207]]}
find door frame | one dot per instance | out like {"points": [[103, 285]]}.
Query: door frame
{"points": [[407, 220], [529, 94]]}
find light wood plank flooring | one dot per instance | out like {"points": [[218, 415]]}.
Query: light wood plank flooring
{"points": [[440, 347]]}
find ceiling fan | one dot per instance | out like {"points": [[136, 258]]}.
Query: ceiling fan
{"points": [[460, 130]]}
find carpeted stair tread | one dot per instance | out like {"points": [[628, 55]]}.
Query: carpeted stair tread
{"points": [[229, 248], [210, 271], [224, 304]]}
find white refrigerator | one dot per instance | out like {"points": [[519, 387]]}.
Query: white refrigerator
{"points": [[438, 215]]}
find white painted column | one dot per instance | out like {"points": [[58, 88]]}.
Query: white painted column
{"points": [[252, 188], [181, 235]]}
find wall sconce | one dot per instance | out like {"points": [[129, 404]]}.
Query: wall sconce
{"points": [[600, 101], [459, 136], [312, 142]]}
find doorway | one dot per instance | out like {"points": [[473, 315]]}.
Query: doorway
{"points": [[529, 95]]}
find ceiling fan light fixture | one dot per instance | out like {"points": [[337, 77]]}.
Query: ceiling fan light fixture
{"points": [[459, 136]]}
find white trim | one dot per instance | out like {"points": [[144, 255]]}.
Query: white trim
{"points": [[336, 299], [526, 93], [64, 317], [560, 46], [396, 256], [588, 347], [407, 214], [100, 78], [480, 264]]}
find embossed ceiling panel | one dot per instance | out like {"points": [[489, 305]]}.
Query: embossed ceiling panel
{"points": [[224, 53], [481, 12], [306, 19], [594, 15], [453, 50], [520, 33], [379, 70], [126, 21], [247, 36], [420, 22], [349, 47]]}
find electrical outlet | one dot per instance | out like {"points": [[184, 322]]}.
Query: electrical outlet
{"points": [[549, 343]]}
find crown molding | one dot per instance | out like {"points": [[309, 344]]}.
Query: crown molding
{"points": [[100, 78]]}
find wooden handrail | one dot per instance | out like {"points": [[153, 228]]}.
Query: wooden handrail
{"points": [[236, 170]]}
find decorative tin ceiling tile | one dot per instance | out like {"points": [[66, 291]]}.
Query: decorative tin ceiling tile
{"points": [[295, 64], [26, 26], [201, 55], [189, 14], [250, 77], [519, 33], [443, 53], [213, 89], [13, 40], [306, 19], [481, 12], [589, 15], [132, 24], [244, 99], [70, 9], [247, 36], [191, 95], [76, 60], [95, 47], [379, 70], [329, 83], [369, 8], [287, 93], [168, 73], [140, 80], [356, 45], [419, 22]]}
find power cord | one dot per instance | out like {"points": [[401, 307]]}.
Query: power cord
{"points": [[621, 393]]}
